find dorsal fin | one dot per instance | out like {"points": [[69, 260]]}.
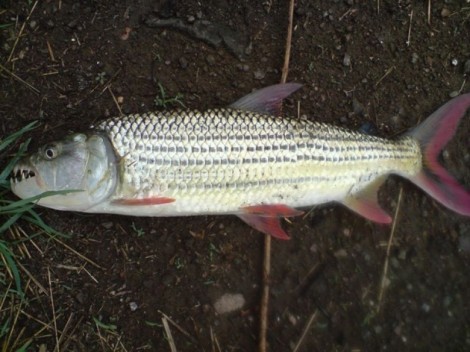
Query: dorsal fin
{"points": [[266, 100]]}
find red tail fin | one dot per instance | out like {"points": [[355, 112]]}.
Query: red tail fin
{"points": [[433, 134]]}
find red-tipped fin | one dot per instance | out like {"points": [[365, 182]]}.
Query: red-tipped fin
{"points": [[433, 134], [143, 201], [365, 203], [266, 100], [268, 225], [266, 218]]}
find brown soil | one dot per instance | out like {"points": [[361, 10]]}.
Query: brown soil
{"points": [[359, 61]]}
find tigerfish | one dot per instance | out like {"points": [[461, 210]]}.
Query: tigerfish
{"points": [[244, 160]]}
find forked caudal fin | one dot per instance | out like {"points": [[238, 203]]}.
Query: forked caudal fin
{"points": [[433, 134]]}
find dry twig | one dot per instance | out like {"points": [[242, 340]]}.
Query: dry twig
{"points": [[176, 325], [21, 31], [408, 41], [267, 238], [19, 79], [304, 333], [389, 245], [54, 317], [168, 334]]}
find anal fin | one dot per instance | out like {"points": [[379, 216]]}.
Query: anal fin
{"points": [[268, 225], [365, 203], [266, 218]]}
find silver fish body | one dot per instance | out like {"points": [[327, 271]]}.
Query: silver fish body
{"points": [[219, 161], [243, 160]]}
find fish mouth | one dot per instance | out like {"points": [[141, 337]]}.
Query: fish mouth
{"points": [[21, 173]]}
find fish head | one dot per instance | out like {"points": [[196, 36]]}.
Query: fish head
{"points": [[84, 164]]}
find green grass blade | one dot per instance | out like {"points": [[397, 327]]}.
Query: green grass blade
{"points": [[8, 255], [20, 203], [15, 135]]}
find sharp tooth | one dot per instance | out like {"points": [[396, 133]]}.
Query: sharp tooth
{"points": [[18, 176]]}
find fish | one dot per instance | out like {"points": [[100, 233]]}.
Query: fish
{"points": [[245, 160]]}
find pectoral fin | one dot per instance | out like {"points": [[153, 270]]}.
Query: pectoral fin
{"points": [[266, 218], [365, 203]]}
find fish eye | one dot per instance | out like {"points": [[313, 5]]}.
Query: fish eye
{"points": [[50, 152]]}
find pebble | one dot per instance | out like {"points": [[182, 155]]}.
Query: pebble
{"points": [[454, 93], [259, 74], [33, 24], [183, 62], [454, 62], [445, 12], [210, 59], [50, 24], [244, 68], [347, 60], [414, 58], [133, 306], [107, 225], [72, 24], [340, 253], [191, 19], [229, 302], [466, 67], [426, 307], [464, 244]]}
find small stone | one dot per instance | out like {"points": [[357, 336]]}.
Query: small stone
{"points": [[347, 60], [464, 244], [33, 24], [454, 62], [80, 297], [210, 59], [402, 254], [445, 12], [107, 225], [426, 307], [395, 263], [454, 94], [414, 58], [125, 33], [466, 67], [133, 306], [191, 19], [183, 62], [72, 24], [259, 74], [229, 302], [341, 253]]}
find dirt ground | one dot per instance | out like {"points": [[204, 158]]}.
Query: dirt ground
{"points": [[383, 65]]}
